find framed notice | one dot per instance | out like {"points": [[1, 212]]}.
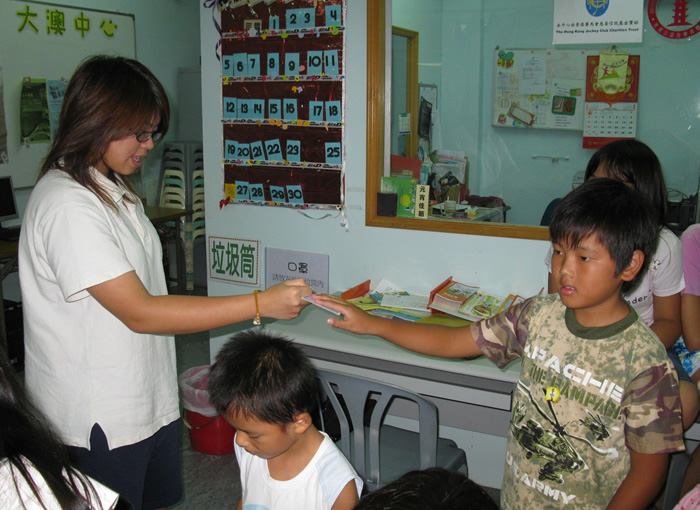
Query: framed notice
{"points": [[283, 103]]}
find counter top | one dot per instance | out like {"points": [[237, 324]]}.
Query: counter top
{"points": [[375, 355]]}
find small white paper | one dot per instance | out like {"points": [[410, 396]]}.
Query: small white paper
{"points": [[385, 287], [310, 299], [533, 74]]}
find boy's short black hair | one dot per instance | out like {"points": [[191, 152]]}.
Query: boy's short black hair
{"points": [[622, 219], [263, 376], [429, 489]]}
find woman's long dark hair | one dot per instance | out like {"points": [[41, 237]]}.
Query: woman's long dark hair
{"points": [[633, 163], [25, 437], [107, 98]]}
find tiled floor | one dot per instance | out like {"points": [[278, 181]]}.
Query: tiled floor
{"points": [[209, 481]]}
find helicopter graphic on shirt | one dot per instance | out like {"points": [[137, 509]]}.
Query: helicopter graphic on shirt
{"points": [[551, 443]]}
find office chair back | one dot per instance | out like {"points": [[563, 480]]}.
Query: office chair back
{"points": [[381, 453]]}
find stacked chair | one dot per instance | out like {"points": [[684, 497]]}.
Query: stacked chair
{"points": [[182, 187]]}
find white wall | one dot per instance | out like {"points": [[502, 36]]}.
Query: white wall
{"points": [[167, 37], [414, 260]]}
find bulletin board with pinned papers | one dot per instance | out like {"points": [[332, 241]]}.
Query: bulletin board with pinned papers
{"points": [[539, 88]]}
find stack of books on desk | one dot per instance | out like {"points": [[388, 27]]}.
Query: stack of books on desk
{"points": [[468, 302]]}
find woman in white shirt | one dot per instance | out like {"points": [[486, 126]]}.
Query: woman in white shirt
{"points": [[98, 320]]}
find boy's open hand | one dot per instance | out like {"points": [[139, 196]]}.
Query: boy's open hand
{"points": [[354, 319], [283, 301]]}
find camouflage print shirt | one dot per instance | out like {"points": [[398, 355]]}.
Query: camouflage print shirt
{"points": [[585, 396]]}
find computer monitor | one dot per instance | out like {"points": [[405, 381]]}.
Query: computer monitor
{"points": [[8, 203]]}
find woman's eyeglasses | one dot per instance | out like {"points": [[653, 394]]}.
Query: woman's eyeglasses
{"points": [[144, 136]]}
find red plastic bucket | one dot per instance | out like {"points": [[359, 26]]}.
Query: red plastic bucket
{"points": [[209, 434]]}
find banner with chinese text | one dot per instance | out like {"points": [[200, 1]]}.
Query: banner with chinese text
{"points": [[598, 21]]}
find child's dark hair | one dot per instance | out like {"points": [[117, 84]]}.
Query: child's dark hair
{"points": [[263, 376], [633, 163], [429, 489], [622, 219], [27, 440]]}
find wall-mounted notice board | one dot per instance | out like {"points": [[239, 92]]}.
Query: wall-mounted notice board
{"points": [[539, 88], [45, 42], [283, 102]]}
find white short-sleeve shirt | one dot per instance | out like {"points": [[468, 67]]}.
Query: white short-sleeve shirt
{"points": [[316, 487], [15, 492], [83, 365]]}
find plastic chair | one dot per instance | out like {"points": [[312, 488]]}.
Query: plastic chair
{"points": [[381, 453]]}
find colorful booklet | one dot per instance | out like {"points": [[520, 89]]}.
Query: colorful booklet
{"points": [[481, 306], [467, 301], [450, 295]]}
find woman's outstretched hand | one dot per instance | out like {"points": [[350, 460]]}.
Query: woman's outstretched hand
{"points": [[354, 319], [283, 301]]}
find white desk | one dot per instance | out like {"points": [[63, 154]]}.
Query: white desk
{"points": [[477, 381], [474, 396]]}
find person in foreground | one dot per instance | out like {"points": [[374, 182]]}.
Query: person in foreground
{"points": [[266, 388], [596, 411], [35, 471], [98, 320], [429, 489]]}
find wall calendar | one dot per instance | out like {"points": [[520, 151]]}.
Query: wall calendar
{"points": [[610, 114]]}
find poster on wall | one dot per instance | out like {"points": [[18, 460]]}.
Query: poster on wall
{"points": [[538, 88], [35, 124], [598, 21], [283, 103]]}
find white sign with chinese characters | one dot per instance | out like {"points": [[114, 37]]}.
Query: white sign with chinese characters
{"points": [[283, 265], [598, 21], [234, 260]]}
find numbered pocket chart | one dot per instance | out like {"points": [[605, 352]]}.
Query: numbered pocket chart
{"points": [[610, 117], [538, 88], [283, 102]]}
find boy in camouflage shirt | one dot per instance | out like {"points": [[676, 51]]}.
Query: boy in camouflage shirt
{"points": [[596, 411]]}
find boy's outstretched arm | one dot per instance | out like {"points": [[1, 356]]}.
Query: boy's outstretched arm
{"points": [[443, 341], [643, 482]]}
